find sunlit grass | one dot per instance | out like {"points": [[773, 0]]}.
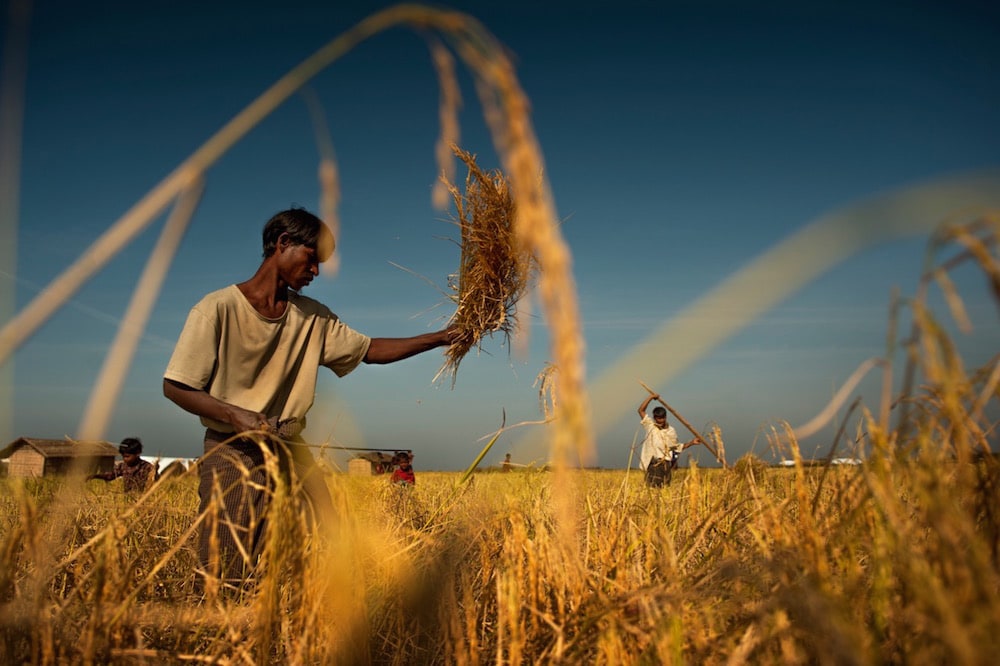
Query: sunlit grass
{"points": [[892, 561]]}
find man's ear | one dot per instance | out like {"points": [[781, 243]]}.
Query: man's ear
{"points": [[283, 242]]}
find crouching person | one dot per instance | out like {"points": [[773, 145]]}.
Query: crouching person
{"points": [[136, 474]]}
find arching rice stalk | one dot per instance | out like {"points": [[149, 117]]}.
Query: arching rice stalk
{"points": [[547, 396], [495, 269], [450, 102]]}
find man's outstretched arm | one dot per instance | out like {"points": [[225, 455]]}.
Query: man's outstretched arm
{"points": [[390, 350]]}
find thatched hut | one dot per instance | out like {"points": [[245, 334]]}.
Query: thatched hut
{"points": [[374, 463], [369, 464], [32, 457]]}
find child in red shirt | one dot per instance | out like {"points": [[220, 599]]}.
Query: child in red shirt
{"points": [[403, 474]]}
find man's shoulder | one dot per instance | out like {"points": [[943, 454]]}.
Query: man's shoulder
{"points": [[310, 307], [223, 295], [220, 299]]}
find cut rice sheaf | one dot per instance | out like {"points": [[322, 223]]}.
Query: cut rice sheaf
{"points": [[494, 271]]}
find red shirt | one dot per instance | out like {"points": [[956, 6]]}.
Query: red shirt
{"points": [[403, 476]]}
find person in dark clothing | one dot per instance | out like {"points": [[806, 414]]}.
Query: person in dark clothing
{"points": [[136, 474]]}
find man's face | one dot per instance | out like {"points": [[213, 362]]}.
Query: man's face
{"points": [[660, 420], [299, 264], [130, 459]]}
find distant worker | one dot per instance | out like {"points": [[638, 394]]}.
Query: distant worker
{"points": [[403, 474], [660, 449], [507, 465], [136, 474]]}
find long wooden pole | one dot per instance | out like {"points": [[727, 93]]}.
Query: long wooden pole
{"points": [[687, 425]]}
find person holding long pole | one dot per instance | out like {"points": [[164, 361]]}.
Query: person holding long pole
{"points": [[661, 449]]}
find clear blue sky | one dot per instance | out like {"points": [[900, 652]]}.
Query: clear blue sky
{"points": [[682, 140]]}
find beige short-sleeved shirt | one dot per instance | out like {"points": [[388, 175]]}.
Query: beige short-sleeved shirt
{"points": [[266, 365]]}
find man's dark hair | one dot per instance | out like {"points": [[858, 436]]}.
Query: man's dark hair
{"points": [[130, 445], [302, 227], [660, 411]]}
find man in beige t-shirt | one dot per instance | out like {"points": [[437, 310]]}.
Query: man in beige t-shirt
{"points": [[247, 361]]}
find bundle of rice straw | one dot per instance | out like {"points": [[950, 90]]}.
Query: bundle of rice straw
{"points": [[495, 270]]}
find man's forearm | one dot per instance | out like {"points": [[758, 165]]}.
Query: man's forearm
{"points": [[200, 403], [644, 405], [194, 400], [390, 350]]}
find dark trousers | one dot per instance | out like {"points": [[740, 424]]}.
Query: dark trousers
{"points": [[659, 471], [235, 490]]}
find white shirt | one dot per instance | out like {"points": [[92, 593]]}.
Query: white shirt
{"points": [[658, 442]]}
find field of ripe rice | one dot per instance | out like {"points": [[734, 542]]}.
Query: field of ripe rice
{"points": [[896, 560], [893, 561]]}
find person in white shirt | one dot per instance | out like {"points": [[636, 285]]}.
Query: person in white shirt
{"points": [[661, 449]]}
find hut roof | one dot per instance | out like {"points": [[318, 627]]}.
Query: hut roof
{"points": [[62, 448], [374, 456]]}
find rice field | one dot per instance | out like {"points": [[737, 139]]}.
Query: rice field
{"points": [[893, 561], [896, 560]]}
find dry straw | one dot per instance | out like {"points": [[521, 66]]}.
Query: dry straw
{"points": [[495, 269]]}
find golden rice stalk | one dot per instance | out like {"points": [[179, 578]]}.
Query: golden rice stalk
{"points": [[329, 177], [451, 102], [495, 269], [547, 397]]}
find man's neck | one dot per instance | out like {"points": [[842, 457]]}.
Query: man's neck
{"points": [[266, 291]]}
